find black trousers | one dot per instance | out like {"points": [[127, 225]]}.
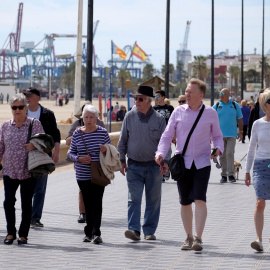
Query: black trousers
{"points": [[92, 197], [27, 187], [245, 129]]}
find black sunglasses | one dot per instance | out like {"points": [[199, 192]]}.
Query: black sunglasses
{"points": [[217, 164], [14, 108], [268, 101], [139, 98], [181, 101]]}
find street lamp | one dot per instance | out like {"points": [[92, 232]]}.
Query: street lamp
{"points": [[212, 59], [263, 49]]}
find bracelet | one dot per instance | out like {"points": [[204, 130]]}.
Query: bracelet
{"points": [[241, 131]]}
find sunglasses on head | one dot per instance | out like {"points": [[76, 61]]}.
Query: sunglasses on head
{"points": [[14, 108], [181, 101], [222, 94], [139, 98], [217, 164], [268, 101]]}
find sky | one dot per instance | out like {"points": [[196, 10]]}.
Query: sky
{"points": [[144, 21]]}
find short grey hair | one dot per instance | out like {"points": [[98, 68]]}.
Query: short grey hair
{"points": [[263, 97], [20, 98], [90, 108]]}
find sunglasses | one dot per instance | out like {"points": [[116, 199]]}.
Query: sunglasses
{"points": [[139, 98], [157, 96], [222, 94], [181, 101], [216, 162], [14, 108], [268, 101]]}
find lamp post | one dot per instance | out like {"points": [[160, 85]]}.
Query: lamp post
{"points": [[167, 52], [212, 59], [242, 54], [262, 86]]}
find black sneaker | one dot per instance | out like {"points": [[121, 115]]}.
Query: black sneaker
{"points": [[36, 224], [223, 179], [97, 239], [232, 179], [82, 218]]}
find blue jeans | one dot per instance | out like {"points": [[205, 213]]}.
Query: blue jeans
{"points": [[138, 177], [39, 197]]}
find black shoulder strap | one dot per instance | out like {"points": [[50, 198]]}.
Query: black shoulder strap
{"points": [[217, 105], [30, 130], [192, 129], [234, 105]]}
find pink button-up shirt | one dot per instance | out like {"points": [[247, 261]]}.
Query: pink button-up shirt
{"points": [[12, 141], [199, 146]]}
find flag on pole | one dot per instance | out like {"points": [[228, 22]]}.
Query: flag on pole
{"points": [[117, 50], [138, 52]]}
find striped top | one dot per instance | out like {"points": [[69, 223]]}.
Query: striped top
{"points": [[77, 149]]}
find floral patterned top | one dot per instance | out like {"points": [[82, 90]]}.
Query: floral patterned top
{"points": [[12, 149]]}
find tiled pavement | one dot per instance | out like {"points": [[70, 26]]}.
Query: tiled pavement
{"points": [[228, 233]]}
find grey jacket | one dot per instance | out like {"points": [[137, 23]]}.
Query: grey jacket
{"points": [[140, 135]]}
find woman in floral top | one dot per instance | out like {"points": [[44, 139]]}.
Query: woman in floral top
{"points": [[14, 151]]}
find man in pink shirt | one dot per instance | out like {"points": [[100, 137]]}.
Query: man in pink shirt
{"points": [[193, 186]]}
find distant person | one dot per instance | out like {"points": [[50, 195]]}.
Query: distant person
{"points": [[76, 124], [116, 107], [229, 114], [252, 99], [7, 98], [251, 105], [259, 157], [246, 112], [182, 100], [14, 151], [131, 102], [167, 101], [48, 122], [66, 99], [121, 114], [108, 105], [255, 114]]}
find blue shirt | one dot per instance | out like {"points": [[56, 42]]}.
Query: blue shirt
{"points": [[228, 116], [246, 112]]}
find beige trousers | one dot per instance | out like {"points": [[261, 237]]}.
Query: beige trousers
{"points": [[227, 159]]}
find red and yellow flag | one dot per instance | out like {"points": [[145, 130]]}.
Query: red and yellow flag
{"points": [[117, 50], [138, 52]]}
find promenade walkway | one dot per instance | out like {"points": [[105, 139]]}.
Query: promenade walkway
{"points": [[228, 233]]}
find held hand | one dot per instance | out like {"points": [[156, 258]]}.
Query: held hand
{"points": [[217, 153], [29, 147], [158, 159], [164, 168], [240, 136], [247, 179], [103, 148], [124, 168], [55, 156], [85, 159]]}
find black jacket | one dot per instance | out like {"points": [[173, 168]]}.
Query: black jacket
{"points": [[254, 115]]}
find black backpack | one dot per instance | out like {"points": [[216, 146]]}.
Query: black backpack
{"points": [[218, 104]]}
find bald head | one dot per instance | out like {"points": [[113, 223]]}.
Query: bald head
{"points": [[225, 95]]}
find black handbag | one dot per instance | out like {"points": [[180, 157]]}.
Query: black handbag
{"points": [[177, 162]]}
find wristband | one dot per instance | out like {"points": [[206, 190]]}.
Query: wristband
{"points": [[241, 131]]}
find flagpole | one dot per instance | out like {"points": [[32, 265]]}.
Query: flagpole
{"points": [[130, 55], [111, 83]]}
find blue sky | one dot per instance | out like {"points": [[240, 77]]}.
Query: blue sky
{"points": [[126, 21]]}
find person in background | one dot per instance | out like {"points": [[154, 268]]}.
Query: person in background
{"points": [[246, 112], [116, 107], [95, 138], [255, 114], [251, 105], [259, 153], [74, 126], [48, 122], [121, 113], [167, 101], [14, 151], [109, 104], [181, 100]]}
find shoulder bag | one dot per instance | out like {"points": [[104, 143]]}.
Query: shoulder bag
{"points": [[97, 175], [177, 162]]}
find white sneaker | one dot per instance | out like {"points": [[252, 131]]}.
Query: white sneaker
{"points": [[150, 237], [197, 244], [187, 244], [257, 245]]}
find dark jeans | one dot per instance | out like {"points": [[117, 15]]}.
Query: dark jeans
{"points": [[27, 187], [92, 197], [39, 197]]}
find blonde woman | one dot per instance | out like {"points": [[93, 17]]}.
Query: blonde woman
{"points": [[259, 153]]}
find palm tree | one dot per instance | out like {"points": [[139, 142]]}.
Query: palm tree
{"points": [[123, 75], [222, 79], [148, 72], [266, 69], [235, 72], [171, 70], [199, 67]]}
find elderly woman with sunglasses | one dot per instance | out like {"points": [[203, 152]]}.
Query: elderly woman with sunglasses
{"points": [[14, 150], [259, 152]]}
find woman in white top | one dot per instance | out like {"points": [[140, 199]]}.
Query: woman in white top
{"points": [[259, 152]]}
